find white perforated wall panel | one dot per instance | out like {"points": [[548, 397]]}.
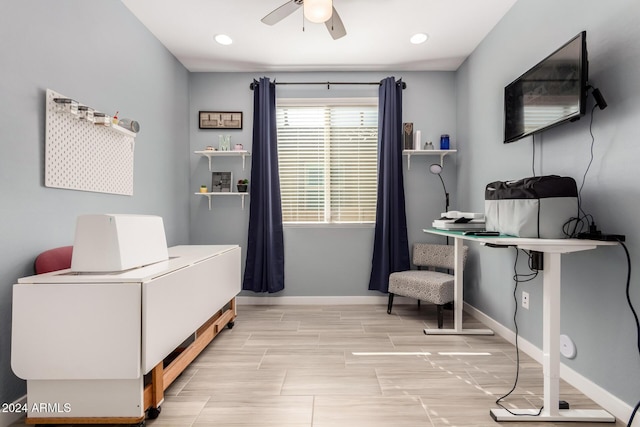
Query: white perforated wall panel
{"points": [[80, 155]]}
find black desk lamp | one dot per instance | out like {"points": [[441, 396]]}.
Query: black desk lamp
{"points": [[436, 169]]}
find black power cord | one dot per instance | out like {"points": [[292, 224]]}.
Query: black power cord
{"points": [[533, 154], [518, 278], [582, 221], [585, 221], [635, 316]]}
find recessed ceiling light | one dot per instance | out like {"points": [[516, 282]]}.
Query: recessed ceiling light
{"points": [[223, 39], [419, 38]]}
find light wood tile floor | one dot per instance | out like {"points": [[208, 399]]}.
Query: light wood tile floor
{"points": [[352, 366]]}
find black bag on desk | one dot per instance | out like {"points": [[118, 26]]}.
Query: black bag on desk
{"points": [[536, 207]]}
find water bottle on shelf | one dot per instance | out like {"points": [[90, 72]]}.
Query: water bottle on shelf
{"points": [[444, 142]]}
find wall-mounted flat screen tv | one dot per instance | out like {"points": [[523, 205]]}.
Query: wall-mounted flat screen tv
{"points": [[552, 92]]}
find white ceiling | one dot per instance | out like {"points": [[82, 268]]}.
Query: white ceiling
{"points": [[377, 39]]}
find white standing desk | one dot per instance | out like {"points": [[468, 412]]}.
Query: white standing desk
{"points": [[552, 249]]}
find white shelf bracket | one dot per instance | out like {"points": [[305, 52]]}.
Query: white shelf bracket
{"points": [[209, 196], [440, 153]]}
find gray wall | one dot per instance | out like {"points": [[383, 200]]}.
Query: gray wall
{"points": [[594, 309], [98, 53], [320, 260]]}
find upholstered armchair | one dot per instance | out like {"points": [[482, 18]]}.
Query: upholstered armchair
{"points": [[434, 285]]}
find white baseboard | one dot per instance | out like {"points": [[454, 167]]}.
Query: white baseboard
{"points": [[602, 397], [322, 300], [8, 418]]}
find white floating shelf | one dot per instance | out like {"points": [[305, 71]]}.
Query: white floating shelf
{"points": [[209, 195], [213, 153], [440, 153]]}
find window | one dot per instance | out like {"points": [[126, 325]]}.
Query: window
{"points": [[328, 160]]}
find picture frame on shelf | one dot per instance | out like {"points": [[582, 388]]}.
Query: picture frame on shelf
{"points": [[222, 182], [220, 119]]}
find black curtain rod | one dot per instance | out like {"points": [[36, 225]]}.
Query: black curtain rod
{"points": [[329, 84]]}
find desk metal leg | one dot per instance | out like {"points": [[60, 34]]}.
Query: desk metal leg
{"points": [[458, 301], [551, 359]]}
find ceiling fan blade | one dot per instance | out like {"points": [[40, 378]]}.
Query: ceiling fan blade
{"points": [[282, 12], [335, 26]]}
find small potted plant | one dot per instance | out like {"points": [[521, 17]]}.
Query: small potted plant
{"points": [[242, 185], [203, 189]]}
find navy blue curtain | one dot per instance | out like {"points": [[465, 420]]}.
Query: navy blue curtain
{"points": [[264, 268], [391, 245]]}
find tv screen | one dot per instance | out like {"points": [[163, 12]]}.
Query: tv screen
{"points": [[552, 92]]}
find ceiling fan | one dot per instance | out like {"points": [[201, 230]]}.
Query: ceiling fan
{"points": [[317, 11]]}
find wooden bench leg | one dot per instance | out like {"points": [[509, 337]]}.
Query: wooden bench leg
{"points": [[439, 308], [390, 304]]}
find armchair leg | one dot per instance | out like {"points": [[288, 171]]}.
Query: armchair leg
{"points": [[390, 304], [439, 308]]}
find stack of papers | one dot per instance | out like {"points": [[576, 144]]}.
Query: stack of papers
{"points": [[462, 221]]}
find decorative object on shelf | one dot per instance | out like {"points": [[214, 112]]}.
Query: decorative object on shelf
{"points": [[203, 189], [221, 182], [407, 136], [129, 124], [220, 120], [85, 113], [101, 119], [243, 184], [66, 105], [417, 145], [224, 142], [444, 142], [238, 147], [114, 119]]}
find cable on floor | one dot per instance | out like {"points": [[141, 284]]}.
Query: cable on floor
{"points": [[518, 278]]}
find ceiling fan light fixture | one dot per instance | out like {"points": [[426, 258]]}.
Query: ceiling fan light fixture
{"points": [[418, 38], [223, 39], [318, 11]]}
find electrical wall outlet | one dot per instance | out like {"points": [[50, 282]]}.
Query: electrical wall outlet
{"points": [[525, 300]]}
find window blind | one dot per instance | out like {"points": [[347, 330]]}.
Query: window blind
{"points": [[328, 155]]}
